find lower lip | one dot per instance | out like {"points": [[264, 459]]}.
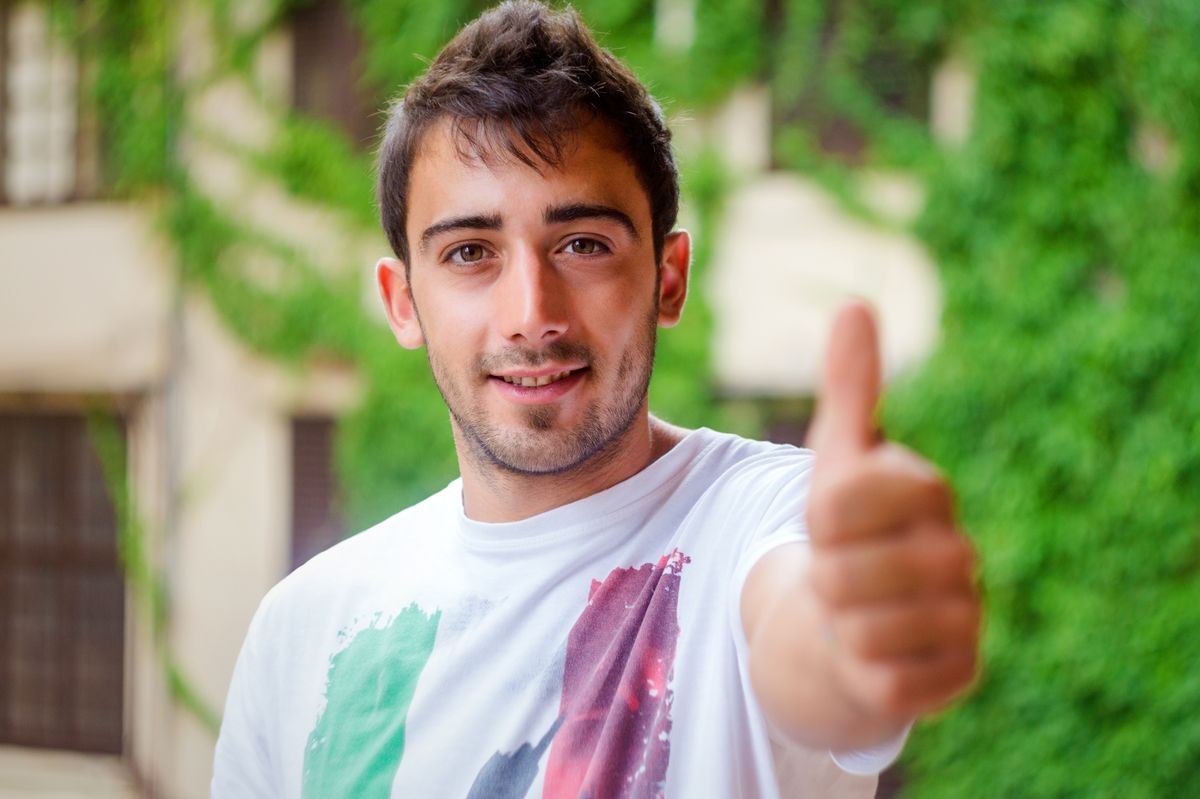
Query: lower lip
{"points": [[537, 395]]}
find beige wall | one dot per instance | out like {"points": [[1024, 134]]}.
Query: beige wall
{"points": [[785, 259], [32, 774], [84, 300]]}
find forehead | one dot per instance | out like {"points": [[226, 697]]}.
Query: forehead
{"points": [[450, 178]]}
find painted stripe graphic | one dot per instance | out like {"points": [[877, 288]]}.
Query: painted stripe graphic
{"points": [[615, 740], [358, 741], [508, 776]]}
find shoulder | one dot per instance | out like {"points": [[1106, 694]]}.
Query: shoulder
{"points": [[730, 460], [365, 561], [748, 489]]}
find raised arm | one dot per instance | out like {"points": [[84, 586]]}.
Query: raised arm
{"points": [[877, 621]]}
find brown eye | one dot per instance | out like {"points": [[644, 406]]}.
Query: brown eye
{"points": [[469, 253], [584, 246]]}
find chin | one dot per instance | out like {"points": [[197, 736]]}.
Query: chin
{"points": [[539, 453], [542, 446]]}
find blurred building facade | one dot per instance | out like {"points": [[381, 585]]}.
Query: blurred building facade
{"points": [[227, 454]]}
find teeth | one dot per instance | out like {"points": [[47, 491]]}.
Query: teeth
{"points": [[533, 382]]}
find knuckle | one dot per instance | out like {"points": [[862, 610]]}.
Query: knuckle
{"points": [[966, 552], [964, 615], [975, 618], [976, 667], [961, 620], [933, 559], [953, 558], [891, 692], [970, 556], [898, 456], [842, 500], [932, 491], [902, 458], [856, 635], [830, 580], [964, 670], [966, 567], [821, 515]]}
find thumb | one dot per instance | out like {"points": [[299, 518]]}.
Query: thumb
{"points": [[845, 426]]}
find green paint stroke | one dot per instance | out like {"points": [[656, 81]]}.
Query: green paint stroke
{"points": [[358, 741]]}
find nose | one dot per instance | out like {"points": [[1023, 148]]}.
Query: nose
{"points": [[531, 304]]}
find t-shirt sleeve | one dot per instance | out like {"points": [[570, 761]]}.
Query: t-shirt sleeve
{"points": [[782, 521], [241, 764], [872, 759]]}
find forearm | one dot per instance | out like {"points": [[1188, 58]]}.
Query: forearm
{"points": [[792, 660]]}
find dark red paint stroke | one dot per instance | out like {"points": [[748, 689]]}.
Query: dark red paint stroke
{"points": [[615, 740]]}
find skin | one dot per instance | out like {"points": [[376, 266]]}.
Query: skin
{"points": [[522, 273], [878, 621]]}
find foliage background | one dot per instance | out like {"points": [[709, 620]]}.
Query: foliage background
{"points": [[1064, 401]]}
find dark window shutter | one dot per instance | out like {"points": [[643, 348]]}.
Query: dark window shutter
{"points": [[326, 72], [62, 597], [891, 782], [316, 517], [897, 79]]}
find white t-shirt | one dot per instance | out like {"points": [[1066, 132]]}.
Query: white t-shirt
{"points": [[593, 650]]}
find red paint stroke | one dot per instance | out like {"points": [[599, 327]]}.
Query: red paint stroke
{"points": [[616, 737]]}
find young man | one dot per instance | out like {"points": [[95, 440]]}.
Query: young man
{"points": [[604, 604]]}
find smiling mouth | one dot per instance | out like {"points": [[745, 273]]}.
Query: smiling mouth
{"points": [[536, 382]]}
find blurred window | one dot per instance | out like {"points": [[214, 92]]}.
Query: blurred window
{"points": [[62, 598], [891, 782], [327, 80], [897, 79], [316, 518], [47, 152]]}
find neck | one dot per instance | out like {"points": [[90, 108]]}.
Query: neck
{"points": [[492, 493]]}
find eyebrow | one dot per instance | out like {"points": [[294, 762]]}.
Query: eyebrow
{"points": [[553, 215], [471, 222], [575, 211]]}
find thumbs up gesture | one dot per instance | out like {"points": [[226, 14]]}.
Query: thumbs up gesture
{"points": [[892, 576]]}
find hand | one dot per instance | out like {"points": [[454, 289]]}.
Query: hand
{"points": [[892, 575]]}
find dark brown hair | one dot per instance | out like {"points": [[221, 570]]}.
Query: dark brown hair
{"points": [[517, 82]]}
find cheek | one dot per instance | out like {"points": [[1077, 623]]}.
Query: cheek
{"points": [[624, 294], [623, 325], [449, 317]]}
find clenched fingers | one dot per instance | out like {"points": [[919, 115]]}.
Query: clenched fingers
{"points": [[906, 688], [917, 563], [916, 628]]}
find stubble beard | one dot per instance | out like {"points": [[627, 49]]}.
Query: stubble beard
{"points": [[537, 449]]}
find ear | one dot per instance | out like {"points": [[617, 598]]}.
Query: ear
{"points": [[673, 277], [398, 303]]}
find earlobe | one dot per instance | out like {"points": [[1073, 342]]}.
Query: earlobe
{"points": [[673, 280], [392, 279]]}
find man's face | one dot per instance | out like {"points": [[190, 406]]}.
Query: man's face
{"points": [[536, 294]]}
